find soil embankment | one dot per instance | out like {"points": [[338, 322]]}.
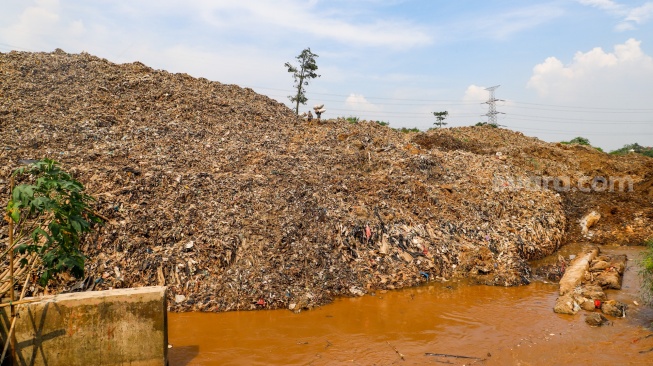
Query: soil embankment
{"points": [[226, 197]]}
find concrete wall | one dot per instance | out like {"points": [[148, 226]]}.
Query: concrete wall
{"points": [[114, 327]]}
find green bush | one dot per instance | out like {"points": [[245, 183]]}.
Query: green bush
{"points": [[578, 141], [647, 272], [407, 130], [51, 213], [481, 124], [353, 120]]}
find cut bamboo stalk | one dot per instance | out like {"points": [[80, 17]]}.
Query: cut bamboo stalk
{"points": [[12, 336], [13, 321]]}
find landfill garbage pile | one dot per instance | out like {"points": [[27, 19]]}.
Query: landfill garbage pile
{"points": [[619, 188], [234, 203]]}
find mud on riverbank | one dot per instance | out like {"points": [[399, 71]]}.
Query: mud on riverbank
{"points": [[224, 196]]}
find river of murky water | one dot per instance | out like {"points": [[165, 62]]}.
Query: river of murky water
{"points": [[434, 324]]}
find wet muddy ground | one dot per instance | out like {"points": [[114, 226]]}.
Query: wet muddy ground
{"points": [[490, 325]]}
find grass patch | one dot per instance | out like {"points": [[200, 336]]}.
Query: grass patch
{"points": [[647, 272]]}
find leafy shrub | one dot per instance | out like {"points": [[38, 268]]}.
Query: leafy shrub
{"points": [[647, 272], [407, 130], [481, 124], [51, 216], [353, 120], [578, 141]]}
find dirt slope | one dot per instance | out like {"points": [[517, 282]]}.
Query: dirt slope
{"points": [[626, 210], [228, 199]]}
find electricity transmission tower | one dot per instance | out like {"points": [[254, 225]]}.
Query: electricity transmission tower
{"points": [[492, 107]]}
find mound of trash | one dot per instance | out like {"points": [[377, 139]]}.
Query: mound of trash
{"points": [[619, 188], [234, 203]]}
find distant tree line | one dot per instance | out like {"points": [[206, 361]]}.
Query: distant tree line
{"points": [[627, 149], [634, 148]]}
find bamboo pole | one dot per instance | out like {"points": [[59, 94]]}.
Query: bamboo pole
{"points": [[13, 321], [5, 282], [7, 286], [12, 336], [5, 273], [19, 302]]}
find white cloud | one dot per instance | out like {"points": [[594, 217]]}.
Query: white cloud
{"points": [[608, 5], [623, 70], [624, 26], [43, 25], [600, 94], [522, 19], [629, 15], [34, 23], [313, 18], [73, 25], [641, 14], [503, 24], [359, 103], [475, 93]]}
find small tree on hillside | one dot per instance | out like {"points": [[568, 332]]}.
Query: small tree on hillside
{"points": [[439, 118], [302, 74]]}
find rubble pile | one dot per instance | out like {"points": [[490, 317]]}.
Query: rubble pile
{"points": [[583, 286], [233, 202]]}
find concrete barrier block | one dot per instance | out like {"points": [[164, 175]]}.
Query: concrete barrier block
{"points": [[114, 327]]}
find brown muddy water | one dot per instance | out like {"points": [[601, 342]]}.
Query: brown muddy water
{"points": [[491, 325]]}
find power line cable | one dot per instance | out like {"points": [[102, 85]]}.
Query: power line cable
{"points": [[575, 120], [579, 111], [580, 132], [523, 117], [458, 102], [433, 103], [12, 47], [450, 102], [592, 108]]}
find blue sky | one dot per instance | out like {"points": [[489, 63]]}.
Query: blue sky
{"points": [[566, 68]]}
